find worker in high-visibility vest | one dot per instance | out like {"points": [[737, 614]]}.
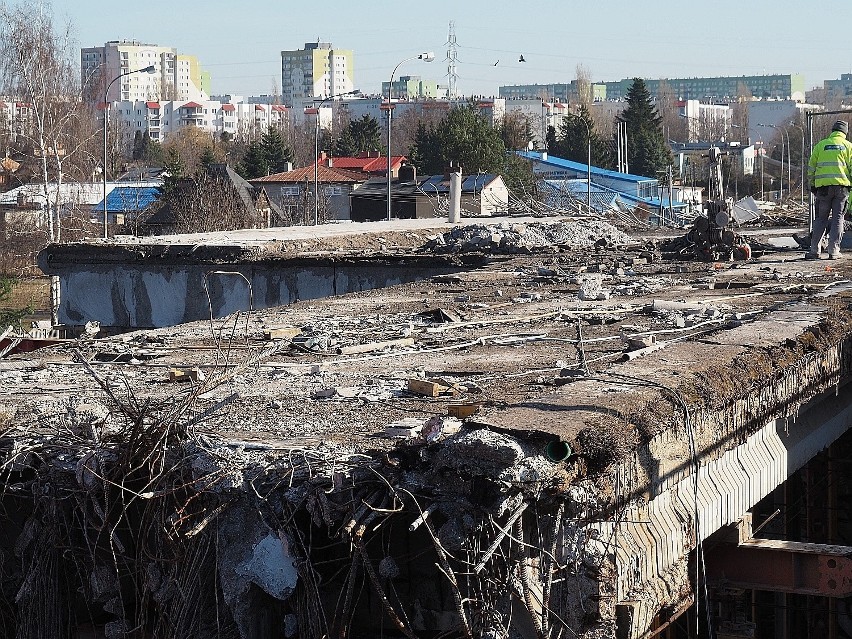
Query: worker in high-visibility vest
{"points": [[830, 177]]}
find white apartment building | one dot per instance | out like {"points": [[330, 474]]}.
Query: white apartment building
{"points": [[164, 118], [316, 71], [706, 122], [175, 76]]}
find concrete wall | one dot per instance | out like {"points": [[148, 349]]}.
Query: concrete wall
{"points": [[149, 295]]}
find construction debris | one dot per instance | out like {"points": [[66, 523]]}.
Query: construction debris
{"points": [[337, 479], [507, 237]]}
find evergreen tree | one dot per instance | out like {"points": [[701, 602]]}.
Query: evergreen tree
{"points": [[254, 163], [647, 151], [174, 170], [270, 154], [360, 136], [139, 139], [425, 151], [465, 137], [550, 141], [572, 142], [152, 152], [207, 158], [277, 154]]}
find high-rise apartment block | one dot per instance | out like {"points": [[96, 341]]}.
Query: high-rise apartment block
{"points": [[317, 71], [175, 76]]}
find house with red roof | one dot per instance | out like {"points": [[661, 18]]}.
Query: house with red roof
{"points": [[297, 196], [371, 163]]}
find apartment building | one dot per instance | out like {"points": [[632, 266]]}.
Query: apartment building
{"points": [[316, 71], [776, 87], [175, 77], [839, 90], [163, 118], [413, 86]]}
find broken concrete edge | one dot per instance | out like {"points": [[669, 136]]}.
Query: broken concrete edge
{"points": [[55, 259], [812, 363], [321, 487]]}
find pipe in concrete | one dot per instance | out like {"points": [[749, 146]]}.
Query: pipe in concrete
{"points": [[455, 197], [557, 450]]}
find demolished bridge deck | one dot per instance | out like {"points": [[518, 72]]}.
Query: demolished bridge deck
{"points": [[649, 371]]}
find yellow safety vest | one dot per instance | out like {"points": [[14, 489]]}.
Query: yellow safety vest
{"points": [[831, 161]]}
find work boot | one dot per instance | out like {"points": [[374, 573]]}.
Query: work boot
{"points": [[811, 256]]}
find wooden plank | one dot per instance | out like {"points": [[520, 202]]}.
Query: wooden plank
{"points": [[460, 411], [186, 375], [423, 387], [282, 332], [374, 346]]}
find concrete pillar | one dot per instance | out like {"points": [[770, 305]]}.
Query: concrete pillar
{"points": [[455, 197]]}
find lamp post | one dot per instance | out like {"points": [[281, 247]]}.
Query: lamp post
{"points": [[589, 164], [148, 69], [316, 148], [426, 57]]}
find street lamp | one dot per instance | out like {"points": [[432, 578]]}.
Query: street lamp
{"points": [[316, 148], [148, 69], [589, 158], [426, 57]]}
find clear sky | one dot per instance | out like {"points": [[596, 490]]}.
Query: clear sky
{"points": [[239, 41]]}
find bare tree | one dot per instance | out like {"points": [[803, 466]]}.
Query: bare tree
{"points": [[192, 144], [302, 140], [674, 126], [209, 202], [36, 66], [584, 86]]}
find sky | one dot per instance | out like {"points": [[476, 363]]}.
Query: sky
{"points": [[239, 41]]}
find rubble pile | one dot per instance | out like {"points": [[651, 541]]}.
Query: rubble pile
{"points": [[237, 537], [507, 237]]}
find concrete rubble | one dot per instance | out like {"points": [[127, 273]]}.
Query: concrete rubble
{"points": [[507, 237], [479, 453]]}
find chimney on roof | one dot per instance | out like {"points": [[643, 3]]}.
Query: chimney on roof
{"points": [[407, 173], [453, 168], [329, 161]]}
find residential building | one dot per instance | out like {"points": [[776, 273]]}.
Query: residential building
{"points": [[175, 77], [316, 71], [291, 194], [777, 87], [240, 203], [191, 81], [482, 194], [161, 119], [706, 122], [839, 90], [565, 92], [371, 163], [767, 117], [125, 202], [413, 86]]}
